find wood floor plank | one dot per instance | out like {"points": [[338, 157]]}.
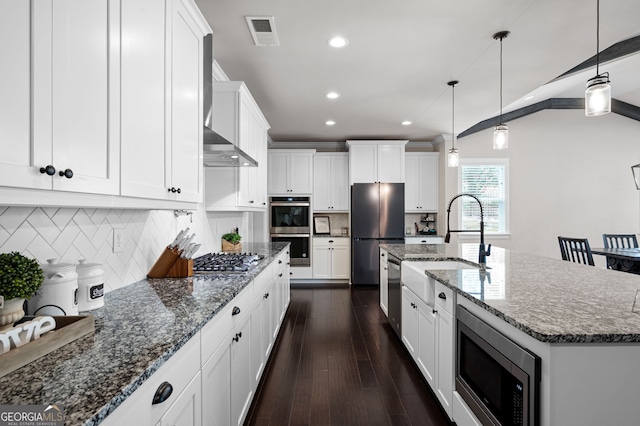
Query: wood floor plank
{"points": [[338, 362]]}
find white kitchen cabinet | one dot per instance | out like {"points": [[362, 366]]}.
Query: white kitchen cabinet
{"points": [[182, 373], [330, 258], [384, 281], [290, 171], [376, 161], [423, 240], [410, 322], [445, 303], [164, 81], [421, 182], [331, 182], [61, 95], [237, 117]]}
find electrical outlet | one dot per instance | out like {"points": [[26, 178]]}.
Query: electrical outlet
{"points": [[118, 240]]}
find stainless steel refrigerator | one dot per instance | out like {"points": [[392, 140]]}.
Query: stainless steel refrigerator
{"points": [[377, 217]]}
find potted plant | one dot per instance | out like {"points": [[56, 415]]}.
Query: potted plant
{"points": [[231, 241], [20, 278]]}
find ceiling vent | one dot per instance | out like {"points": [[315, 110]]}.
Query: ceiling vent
{"points": [[263, 30]]}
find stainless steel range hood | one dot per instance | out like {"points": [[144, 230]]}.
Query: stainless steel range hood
{"points": [[218, 151]]}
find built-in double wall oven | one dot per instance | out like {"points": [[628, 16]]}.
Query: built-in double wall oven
{"points": [[498, 379], [290, 219]]}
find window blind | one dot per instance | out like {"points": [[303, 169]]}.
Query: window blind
{"points": [[487, 182]]}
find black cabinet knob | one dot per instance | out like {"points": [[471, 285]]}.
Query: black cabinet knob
{"points": [[290, 273], [279, 262], [68, 173], [179, 190], [235, 310], [266, 296], [251, 202], [163, 393], [442, 296], [50, 170]]}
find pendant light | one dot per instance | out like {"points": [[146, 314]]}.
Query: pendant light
{"points": [[597, 95], [501, 131], [453, 159]]}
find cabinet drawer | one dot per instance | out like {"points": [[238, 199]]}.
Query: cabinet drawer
{"points": [[262, 281], [445, 297], [213, 333]]}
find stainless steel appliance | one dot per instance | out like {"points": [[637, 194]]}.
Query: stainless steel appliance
{"points": [[394, 306], [377, 216], [226, 262], [290, 219], [498, 379]]}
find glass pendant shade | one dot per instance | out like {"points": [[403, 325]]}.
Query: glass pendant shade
{"points": [[453, 159], [636, 175], [597, 96], [501, 137]]}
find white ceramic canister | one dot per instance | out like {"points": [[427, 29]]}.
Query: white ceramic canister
{"points": [[58, 294], [90, 285]]}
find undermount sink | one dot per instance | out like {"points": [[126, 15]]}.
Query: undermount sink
{"points": [[414, 277]]}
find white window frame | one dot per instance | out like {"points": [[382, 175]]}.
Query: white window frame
{"points": [[486, 162]]}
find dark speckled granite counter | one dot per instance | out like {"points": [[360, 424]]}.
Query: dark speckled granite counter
{"points": [[138, 329], [552, 300]]}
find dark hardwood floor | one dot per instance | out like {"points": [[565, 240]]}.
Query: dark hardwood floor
{"points": [[338, 362]]}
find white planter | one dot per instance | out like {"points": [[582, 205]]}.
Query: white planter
{"points": [[11, 312]]}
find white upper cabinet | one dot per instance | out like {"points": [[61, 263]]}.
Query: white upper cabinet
{"points": [[290, 171], [331, 182], [376, 161], [237, 117], [62, 62], [162, 100], [421, 186]]}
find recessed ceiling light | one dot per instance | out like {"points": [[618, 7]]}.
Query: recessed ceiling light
{"points": [[234, 157], [333, 95], [529, 97], [406, 123], [330, 123], [245, 164], [338, 41]]}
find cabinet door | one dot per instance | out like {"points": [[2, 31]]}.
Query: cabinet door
{"points": [[340, 262], [278, 167], [391, 163], [363, 163], [428, 183], [22, 156], [445, 359], [187, 410], [85, 94], [339, 183], [185, 103], [410, 321], [412, 184], [143, 101], [216, 383], [384, 282], [241, 372], [427, 352], [261, 170], [321, 185], [321, 260], [301, 173]]}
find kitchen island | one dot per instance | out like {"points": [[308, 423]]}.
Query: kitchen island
{"points": [[139, 328], [582, 322]]}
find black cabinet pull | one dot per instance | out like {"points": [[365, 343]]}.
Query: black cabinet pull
{"points": [[442, 296], [235, 310], [174, 190], [330, 241], [179, 190], [163, 393], [281, 274], [251, 202], [68, 173], [434, 311], [50, 170], [279, 262]]}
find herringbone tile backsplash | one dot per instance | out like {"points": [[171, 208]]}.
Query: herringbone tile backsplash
{"points": [[73, 234]]}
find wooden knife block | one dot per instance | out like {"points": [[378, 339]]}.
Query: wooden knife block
{"points": [[170, 265]]}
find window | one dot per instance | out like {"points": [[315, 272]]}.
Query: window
{"points": [[487, 179]]}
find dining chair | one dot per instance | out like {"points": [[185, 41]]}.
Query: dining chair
{"points": [[620, 240], [576, 250]]}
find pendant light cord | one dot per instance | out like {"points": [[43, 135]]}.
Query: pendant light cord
{"points": [[453, 115], [598, 37], [501, 78]]}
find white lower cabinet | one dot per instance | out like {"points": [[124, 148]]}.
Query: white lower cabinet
{"points": [[214, 376], [331, 258], [428, 335]]}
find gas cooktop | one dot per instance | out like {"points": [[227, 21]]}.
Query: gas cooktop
{"points": [[226, 262]]}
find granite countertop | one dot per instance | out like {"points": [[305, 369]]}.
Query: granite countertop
{"points": [[552, 300], [139, 328]]}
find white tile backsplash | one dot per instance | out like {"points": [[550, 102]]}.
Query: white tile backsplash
{"points": [[72, 234]]}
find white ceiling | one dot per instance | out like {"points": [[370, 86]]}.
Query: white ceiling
{"points": [[401, 54]]}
